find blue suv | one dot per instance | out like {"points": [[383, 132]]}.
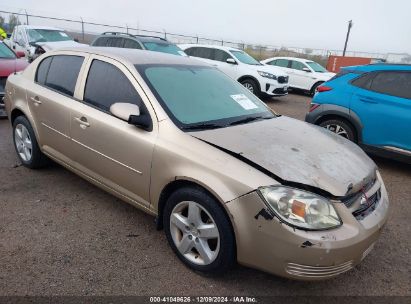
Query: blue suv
{"points": [[370, 105]]}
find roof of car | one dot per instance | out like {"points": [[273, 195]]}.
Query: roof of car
{"points": [[219, 47], [134, 56], [292, 58], [380, 67]]}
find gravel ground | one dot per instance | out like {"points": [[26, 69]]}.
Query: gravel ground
{"points": [[60, 235]]}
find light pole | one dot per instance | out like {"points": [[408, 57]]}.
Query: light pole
{"points": [[350, 24]]}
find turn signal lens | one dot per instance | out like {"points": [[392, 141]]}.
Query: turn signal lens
{"points": [[298, 208]]}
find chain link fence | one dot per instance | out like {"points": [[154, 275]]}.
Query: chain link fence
{"points": [[85, 32]]}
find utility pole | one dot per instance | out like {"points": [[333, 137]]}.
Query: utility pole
{"points": [[350, 24]]}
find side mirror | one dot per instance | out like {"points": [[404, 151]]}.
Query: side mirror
{"points": [[131, 113], [75, 39], [307, 70], [20, 54], [231, 61]]}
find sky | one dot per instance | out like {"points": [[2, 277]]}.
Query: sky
{"points": [[380, 26]]}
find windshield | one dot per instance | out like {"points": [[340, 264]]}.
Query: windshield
{"points": [[202, 97], [245, 58], [164, 48], [316, 67], [40, 35], [5, 52]]}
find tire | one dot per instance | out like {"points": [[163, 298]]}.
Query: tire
{"points": [[252, 86], [340, 127], [314, 88], [199, 252], [26, 145]]}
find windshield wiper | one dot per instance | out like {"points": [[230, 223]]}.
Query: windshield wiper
{"points": [[248, 119], [203, 126]]}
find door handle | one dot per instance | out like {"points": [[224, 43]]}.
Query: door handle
{"points": [[36, 100], [82, 121]]}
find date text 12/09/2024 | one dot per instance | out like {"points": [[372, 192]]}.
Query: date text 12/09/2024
{"points": [[203, 299]]}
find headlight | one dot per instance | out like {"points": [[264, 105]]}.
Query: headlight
{"points": [[267, 75], [300, 209]]}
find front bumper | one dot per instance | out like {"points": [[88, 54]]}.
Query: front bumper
{"points": [[271, 246], [275, 89]]}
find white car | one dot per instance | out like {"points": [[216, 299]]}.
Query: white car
{"points": [[256, 77], [304, 74], [35, 40]]}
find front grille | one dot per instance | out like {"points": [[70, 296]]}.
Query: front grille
{"points": [[280, 91], [368, 205], [282, 79], [317, 271], [2, 84], [349, 200]]}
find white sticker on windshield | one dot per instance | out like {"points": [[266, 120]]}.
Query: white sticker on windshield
{"points": [[243, 101], [63, 34]]}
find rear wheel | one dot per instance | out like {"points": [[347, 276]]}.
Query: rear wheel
{"points": [[251, 85], [26, 144], [340, 127], [199, 231]]}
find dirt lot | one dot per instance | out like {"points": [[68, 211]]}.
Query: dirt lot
{"points": [[59, 235]]}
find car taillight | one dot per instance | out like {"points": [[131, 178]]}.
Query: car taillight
{"points": [[313, 106], [323, 89]]}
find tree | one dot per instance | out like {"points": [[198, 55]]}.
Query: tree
{"points": [[13, 21], [2, 22]]}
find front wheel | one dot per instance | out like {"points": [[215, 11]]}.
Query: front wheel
{"points": [[199, 231], [340, 127], [252, 86]]}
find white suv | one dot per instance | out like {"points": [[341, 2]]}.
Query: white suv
{"points": [[304, 74], [256, 77]]}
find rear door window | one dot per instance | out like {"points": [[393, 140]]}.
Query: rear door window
{"points": [[61, 74], [281, 63], [131, 44], [115, 42], [106, 84], [206, 53], [393, 83]]}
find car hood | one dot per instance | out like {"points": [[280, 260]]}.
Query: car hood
{"points": [[269, 69], [48, 46], [297, 153], [325, 76]]}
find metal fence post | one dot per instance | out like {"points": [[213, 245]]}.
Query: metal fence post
{"points": [[27, 17], [165, 34], [222, 42], [82, 29], [127, 28], [197, 39]]}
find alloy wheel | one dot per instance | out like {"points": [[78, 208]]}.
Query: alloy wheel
{"points": [[23, 142], [337, 129], [249, 87], [194, 233]]}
